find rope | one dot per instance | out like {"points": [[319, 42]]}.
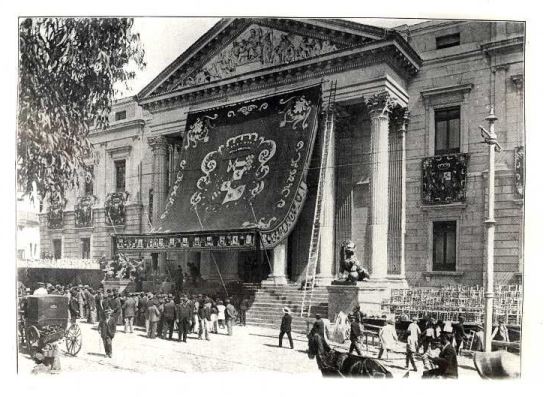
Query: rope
{"points": [[211, 254], [260, 238]]}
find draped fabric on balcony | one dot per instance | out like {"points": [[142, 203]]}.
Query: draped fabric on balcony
{"points": [[243, 166]]}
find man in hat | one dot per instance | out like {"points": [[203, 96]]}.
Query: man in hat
{"points": [[355, 334], [169, 316], [107, 327], [41, 290], [446, 362], [319, 329], [129, 310], [388, 338], [478, 339], [412, 343], [230, 316], [73, 306], [184, 312], [459, 333], [80, 301], [285, 327]]}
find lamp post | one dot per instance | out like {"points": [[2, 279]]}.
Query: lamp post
{"points": [[491, 139]]}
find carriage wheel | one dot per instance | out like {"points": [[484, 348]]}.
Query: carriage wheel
{"points": [[74, 340], [32, 340]]}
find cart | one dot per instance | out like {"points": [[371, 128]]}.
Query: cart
{"points": [[46, 321]]}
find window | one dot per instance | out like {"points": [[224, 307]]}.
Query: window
{"points": [[450, 40], [89, 176], [57, 248], [447, 130], [120, 167], [85, 248], [120, 115], [20, 254], [444, 245]]}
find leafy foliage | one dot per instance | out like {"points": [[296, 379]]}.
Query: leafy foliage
{"points": [[68, 72]]}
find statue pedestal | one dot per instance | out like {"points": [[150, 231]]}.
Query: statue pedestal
{"points": [[119, 285], [367, 294]]}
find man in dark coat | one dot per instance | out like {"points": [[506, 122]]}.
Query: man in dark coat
{"points": [[319, 329], [73, 306], [169, 316], [129, 311], [91, 306], [106, 328], [184, 313], [355, 335], [446, 362], [114, 303], [101, 305], [244, 305], [285, 327], [459, 333]]}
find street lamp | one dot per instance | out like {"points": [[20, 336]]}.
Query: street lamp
{"points": [[491, 139]]}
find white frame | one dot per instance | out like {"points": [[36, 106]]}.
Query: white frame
{"points": [[430, 241]]}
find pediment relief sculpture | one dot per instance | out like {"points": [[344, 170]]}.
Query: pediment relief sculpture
{"points": [[255, 48]]}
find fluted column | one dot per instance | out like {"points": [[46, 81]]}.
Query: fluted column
{"points": [[327, 242], [159, 147], [379, 106]]}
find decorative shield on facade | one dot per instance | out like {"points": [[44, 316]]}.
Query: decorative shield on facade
{"points": [[243, 166], [444, 179], [55, 214], [114, 207], [83, 211]]}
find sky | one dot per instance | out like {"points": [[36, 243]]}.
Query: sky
{"points": [[165, 38]]}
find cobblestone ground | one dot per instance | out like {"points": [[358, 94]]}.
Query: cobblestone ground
{"points": [[250, 349]]}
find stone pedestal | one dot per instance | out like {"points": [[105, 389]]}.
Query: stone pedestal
{"points": [[367, 294]]}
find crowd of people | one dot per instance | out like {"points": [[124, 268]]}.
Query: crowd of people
{"points": [[161, 314]]}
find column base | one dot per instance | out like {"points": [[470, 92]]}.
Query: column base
{"points": [[275, 280]]}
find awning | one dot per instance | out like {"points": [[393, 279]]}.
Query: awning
{"points": [[243, 166]]}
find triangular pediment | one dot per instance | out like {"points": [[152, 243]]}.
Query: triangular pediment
{"points": [[240, 45]]}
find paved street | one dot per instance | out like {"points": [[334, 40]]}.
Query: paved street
{"points": [[250, 349]]}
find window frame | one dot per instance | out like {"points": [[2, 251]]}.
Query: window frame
{"points": [[54, 248], [120, 115], [445, 266], [448, 109], [116, 173], [82, 244], [445, 37]]}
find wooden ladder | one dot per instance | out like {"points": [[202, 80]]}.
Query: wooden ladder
{"points": [[315, 237]]}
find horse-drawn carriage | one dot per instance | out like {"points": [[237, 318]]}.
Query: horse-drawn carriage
{"points": [[44, 321]]}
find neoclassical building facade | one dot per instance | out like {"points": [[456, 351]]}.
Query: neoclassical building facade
{"points": [[225, 158]]}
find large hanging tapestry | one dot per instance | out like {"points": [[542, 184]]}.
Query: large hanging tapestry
{"points": [[243, 166], [519, 167], [83, 211], [115, 207], [444, 179]]}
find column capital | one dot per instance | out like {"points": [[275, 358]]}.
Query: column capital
{"points": [[399, 117], [379, 104], [157, 142]]}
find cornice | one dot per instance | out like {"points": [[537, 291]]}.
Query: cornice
{"points": [[447, 90], [503, 45], [116, 126]]}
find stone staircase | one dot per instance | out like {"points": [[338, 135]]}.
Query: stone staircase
{"points": [[269, 300]]}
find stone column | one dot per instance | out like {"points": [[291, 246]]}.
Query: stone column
{"points": [[159, 147], [279, 266], [379, 106], [327, 242]]}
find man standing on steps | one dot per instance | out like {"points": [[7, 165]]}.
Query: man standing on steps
{"points": [[285, 327]]}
